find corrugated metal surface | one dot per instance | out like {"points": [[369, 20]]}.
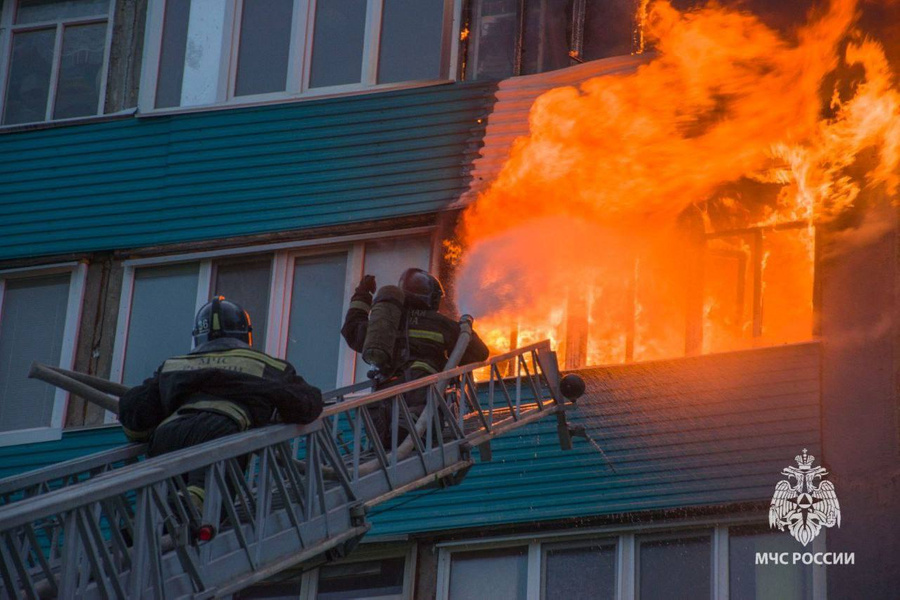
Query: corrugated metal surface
{"points": [[509, 118], [74, 443], [689, 432], [151, 181]]}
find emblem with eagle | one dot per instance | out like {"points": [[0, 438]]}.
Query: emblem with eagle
{"points": [[805, 506]]}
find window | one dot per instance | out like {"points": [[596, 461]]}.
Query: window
{"points": [[377, 571], [386, 260], [161, 318], [244, 50], [521, 37], [39, 315], [54, 54], [296, 298], [576, 571], [678, 567], [651, 564], [503, 571], [247, 280], [381, 579], [748, 581], [316, 313]]}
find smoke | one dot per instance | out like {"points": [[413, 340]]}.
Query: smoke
{"points": [[499, 273]]}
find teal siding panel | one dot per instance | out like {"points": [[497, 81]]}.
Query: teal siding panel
{"points": [[160, 180], [684, 433], [74, 443]]}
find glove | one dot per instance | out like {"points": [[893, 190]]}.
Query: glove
{"points": [[366, 285]]}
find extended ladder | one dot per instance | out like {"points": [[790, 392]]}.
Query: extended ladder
{"points": [[115, 526]]}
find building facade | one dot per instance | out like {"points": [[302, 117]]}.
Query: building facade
{"points": [[154, 153]]}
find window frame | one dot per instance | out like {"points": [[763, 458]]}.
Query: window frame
{"points": [[71, 330], [299, 58], [8, 28], [715, 540], [310, 581], [627, 539], [283, 255]]}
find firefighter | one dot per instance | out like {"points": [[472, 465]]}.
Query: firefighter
{"points": [[423, 342], [221, 387]]}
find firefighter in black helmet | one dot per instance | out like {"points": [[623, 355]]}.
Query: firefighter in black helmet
{"points": [[424, 341], [221, 387]]}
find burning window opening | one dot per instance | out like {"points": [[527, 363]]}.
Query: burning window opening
{"points": [[747, 288], [670, 211]]}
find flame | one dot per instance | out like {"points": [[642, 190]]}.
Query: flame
{"points": [[598, 226]]}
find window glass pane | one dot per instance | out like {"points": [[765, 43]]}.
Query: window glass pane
{"points": [[204, 56], [265, 43], [314, 330], [546, 43], [678, 568], [29, 76], [247, 283], [386, 260], [494, 45], [608, 29], [749, 581], [373, 579], [32, 323], [501, 573], [35, 11], [411, 40], [338, 39], [587, 572], [80, 71], [171, 58], [162, 317]]}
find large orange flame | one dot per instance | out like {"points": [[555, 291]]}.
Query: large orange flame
{"points": [[597, 230]]}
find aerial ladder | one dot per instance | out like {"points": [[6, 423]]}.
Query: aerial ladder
{"points": [[116, 524]]}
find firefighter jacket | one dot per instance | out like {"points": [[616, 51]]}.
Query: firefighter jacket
{"points": [[222, 376], [425, 342]]}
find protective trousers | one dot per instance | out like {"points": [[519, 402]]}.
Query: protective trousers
{"points": [[189, 428], [382, 413]]}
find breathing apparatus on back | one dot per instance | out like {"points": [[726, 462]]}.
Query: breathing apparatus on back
{"points": [[417, 289]]}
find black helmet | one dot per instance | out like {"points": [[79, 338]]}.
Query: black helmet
{"points": [[222, 318], [422, 289]]}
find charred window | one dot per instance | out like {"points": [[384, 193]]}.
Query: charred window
{"points": [[522, 37]]}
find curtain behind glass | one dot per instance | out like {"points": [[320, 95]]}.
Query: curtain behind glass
{"points": [[314, 330], [31, 329], [162, 318]]}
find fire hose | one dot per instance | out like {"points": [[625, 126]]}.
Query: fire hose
{"points": [[405, 448]]}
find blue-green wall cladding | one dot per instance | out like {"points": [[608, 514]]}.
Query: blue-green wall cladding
{"points": [[683, 433], [156, 180]]}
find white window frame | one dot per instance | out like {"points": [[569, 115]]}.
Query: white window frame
{"points": [[71, 329], [283, 256], [627, 539], [299, 58], [7, 28]]}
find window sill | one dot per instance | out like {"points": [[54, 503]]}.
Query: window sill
{"points": [[286, 98], [40, 125], [30, 436]]}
